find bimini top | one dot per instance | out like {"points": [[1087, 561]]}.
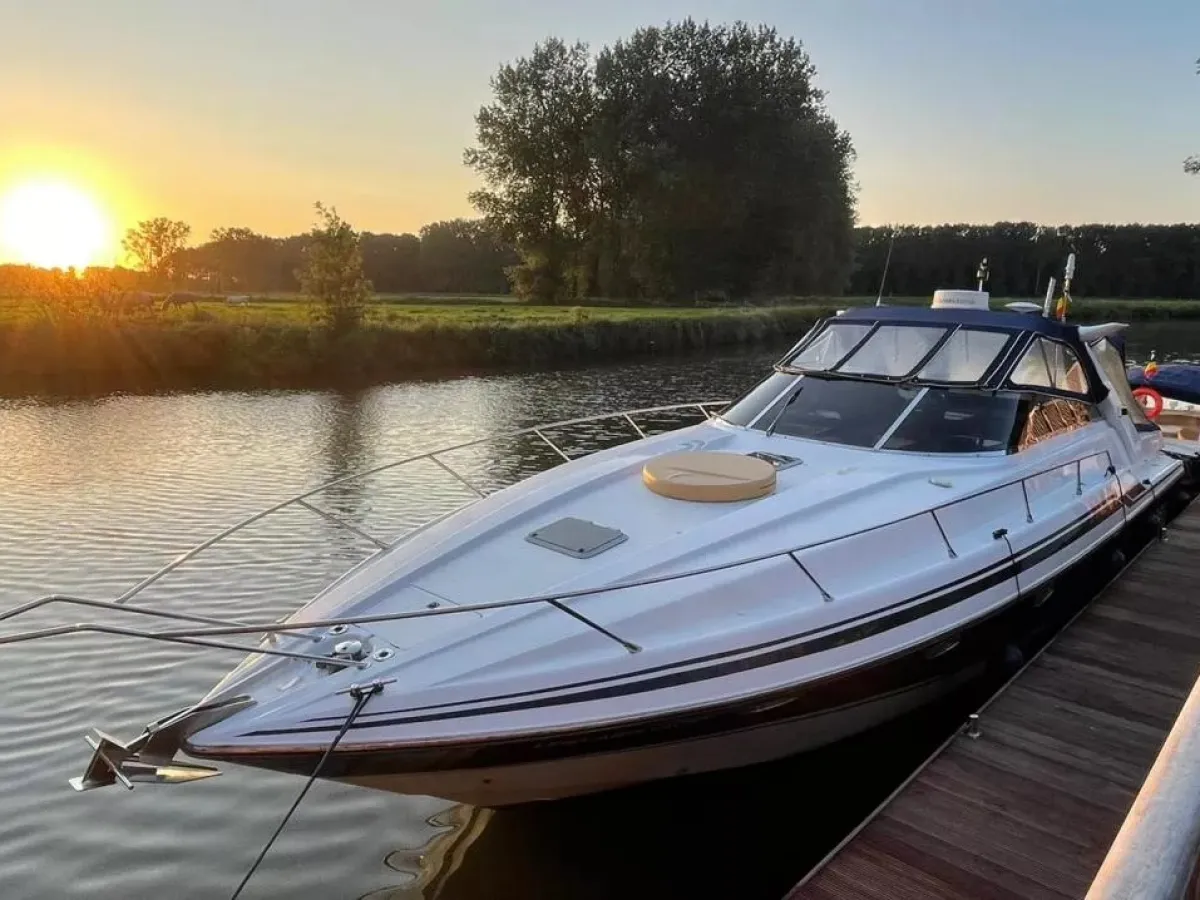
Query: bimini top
{"points": [[964, 348]]}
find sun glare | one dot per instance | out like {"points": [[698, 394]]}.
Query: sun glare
{"points": [[53, 224]]}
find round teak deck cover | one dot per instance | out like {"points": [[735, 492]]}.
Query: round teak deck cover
{"points": [[709, 477]]}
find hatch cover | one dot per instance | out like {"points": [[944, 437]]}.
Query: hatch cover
{"points": [[576, 537]]}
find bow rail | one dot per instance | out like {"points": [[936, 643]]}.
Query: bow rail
{"points": [[301, 501]]}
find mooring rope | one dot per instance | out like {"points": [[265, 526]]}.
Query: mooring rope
{"points": [[361, 694]]}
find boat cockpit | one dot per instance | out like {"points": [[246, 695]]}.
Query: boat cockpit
{"points": [[928, 381]]}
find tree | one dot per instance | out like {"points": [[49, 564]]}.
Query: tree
{"points": [[720, 169], [688, 159], [155, 246], [533, 155], [333, 273], [464, 255], [242, 258]]}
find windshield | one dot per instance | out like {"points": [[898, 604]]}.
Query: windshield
{"points": [[929, 353], [905, 417], [839, 411], [743, 411]]}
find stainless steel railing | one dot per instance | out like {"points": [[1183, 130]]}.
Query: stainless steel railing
{"points": [[301, 501]]}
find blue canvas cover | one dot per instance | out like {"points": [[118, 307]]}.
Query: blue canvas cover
{"points": [[1177, 381]]}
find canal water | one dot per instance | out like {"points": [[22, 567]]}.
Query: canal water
{"points": [[95, 495]]}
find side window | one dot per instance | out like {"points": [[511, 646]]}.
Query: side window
{"points": [[1034, 369], [1049, 417], [1065, 370], [1048, 364]]}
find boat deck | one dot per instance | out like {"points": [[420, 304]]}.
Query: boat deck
{"points": [[1026, 804]]}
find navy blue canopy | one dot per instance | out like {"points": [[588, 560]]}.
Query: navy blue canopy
{"points": [[1004, 320]]}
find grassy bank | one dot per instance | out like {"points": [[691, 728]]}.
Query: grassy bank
{"points": [[241, 348], [270, 342]]}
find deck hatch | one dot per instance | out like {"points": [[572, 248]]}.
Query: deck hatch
{"points": [[576, 537]]}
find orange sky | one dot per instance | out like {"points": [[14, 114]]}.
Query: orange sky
{"points": [[245, 113]]}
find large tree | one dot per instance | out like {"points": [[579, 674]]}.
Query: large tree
{"points": [[155, 246], [723, 171], [533, 155], [689, 159]]}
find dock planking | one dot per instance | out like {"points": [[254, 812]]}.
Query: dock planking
{"points": [[1028, 808]]}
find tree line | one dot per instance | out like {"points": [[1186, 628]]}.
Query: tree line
{"points": [[1119, 261], [465, 257]]}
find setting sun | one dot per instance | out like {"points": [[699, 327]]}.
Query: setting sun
{"points": [[53, 224]]}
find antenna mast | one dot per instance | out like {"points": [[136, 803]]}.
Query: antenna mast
{"points": [[887, 262]]}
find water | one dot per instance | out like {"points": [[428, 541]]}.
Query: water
{"points": [[97, 494]]}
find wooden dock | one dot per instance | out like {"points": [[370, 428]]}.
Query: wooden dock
{"points": [[1028, 807]]}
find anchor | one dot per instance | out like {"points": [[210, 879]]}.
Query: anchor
{"points": [[150, 757]]}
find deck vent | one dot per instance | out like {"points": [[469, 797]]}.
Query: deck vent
{"points": [[778, 460], [576, 537]]}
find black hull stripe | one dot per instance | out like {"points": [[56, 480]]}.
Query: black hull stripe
{"points": [[912, 668], [913, 609]]}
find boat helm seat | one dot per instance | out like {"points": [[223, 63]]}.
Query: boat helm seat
{"points": [[709, 476]]}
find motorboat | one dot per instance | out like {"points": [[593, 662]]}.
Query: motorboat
{"points": [[855, 536]]}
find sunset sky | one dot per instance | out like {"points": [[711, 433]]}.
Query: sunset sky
{"points": [[244, 112]]}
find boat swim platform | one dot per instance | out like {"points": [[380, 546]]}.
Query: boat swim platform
{"points": [[1026, 799]]}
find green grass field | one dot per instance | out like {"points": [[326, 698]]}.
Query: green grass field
{"points": [[273, 343], [406, 311], [413, 311]]}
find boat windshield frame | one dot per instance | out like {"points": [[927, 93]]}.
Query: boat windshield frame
{"points": [[1022, 332]]}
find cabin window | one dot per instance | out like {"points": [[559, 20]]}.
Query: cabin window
{"points": [[840, 411], [965, 357], [893, 351], [830, 346], [1051, 416], [957, 421], [1049, 364], [744, 411]]}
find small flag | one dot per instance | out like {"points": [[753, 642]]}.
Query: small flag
{"points": [[1151, 369]]}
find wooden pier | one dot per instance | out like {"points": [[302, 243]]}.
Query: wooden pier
{"points": [[1026, 803]]}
